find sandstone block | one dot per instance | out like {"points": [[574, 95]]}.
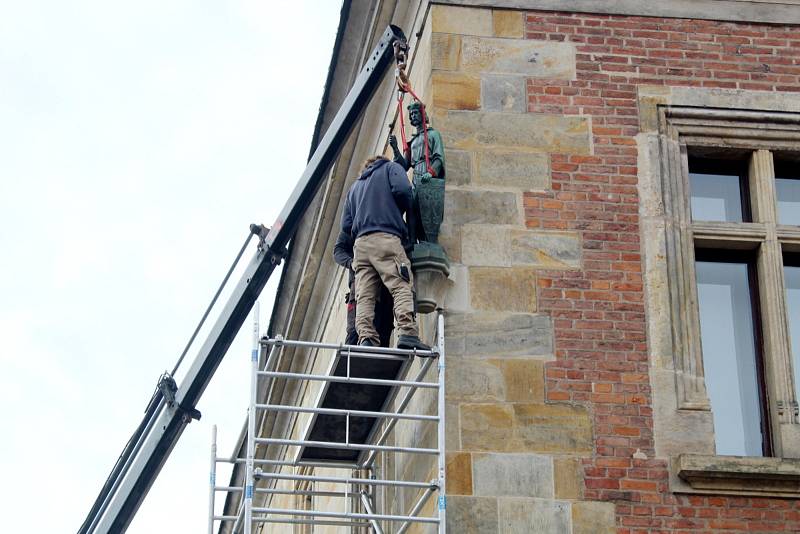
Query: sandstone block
{"points": [[457, 297], [453, 90], [591, 517], [487, 427], [486, 245], [488, 333], [545, 250], [475, 380], [497, 379], [524, 379], [503, 289], [485, 207], [452, 437], [511, 246], [568, 478], [525, 427], [519, 170], [513, 132], [463, 20], [515, 475], [552, 428], [450, 239], [533, 516], [472, 515], [445, 51], [459, 167], [503, 93], [508, 23], [539, 59], [459, 474]]}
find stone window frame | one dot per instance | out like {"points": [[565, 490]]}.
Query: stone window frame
{"points": [[760, 133]]}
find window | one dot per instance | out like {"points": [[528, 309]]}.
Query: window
{"points": [[724, 187], [720, 207], [729, 334], [792, 276], [731, 191]]}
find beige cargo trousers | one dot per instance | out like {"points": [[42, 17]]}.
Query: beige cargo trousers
{"points": [[377, 258]]}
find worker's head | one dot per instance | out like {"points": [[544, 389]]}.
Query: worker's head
{"points": [[373, 159], [415, 113]]}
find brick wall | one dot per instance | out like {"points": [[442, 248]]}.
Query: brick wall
{"points": [[601, 359]]}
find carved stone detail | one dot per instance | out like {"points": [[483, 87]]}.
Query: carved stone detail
{"points": [[688, 362], [679, 127], [740, 475]]}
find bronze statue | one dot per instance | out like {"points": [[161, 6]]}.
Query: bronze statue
{"points": [[429, 174]]}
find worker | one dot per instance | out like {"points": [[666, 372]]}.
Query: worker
{"points": [[384, 318], [373, 216]]}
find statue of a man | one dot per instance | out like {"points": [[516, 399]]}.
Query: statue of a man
{"points": [[428, 182]]}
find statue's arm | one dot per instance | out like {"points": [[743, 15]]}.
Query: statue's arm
{"points": [[399, 158]]}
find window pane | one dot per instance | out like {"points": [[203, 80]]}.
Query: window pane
{"points": [[793, 310], [729, 356], [716, 190], [788, 192], [787, 189]]}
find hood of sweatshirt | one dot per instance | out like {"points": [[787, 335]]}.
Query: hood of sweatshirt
{"points": [[372, 168]]}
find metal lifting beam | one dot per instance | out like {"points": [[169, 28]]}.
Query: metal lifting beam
{"points": [[167, 416]]}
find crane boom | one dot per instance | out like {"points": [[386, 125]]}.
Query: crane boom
{"points": [[173, 406]]}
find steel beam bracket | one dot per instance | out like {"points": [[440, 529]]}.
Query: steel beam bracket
{"points": [[168, 388], [259, 230], [276, 255]]}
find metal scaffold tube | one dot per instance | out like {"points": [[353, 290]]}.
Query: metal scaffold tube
{"points": [[350, 379], [213, 480], [357, 413], [311, 487], [345, 515], [345, 480], [344, 446], [441, 428]]}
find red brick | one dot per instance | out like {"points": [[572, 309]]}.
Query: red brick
{"points": [[601, 358]]}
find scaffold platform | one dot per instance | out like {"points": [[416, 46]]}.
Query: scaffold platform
{"points": [[324, 473]]}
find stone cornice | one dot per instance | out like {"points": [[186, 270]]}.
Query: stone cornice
{"points": [[740, 475], [769, 11]]}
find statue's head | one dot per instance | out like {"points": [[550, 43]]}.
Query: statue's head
{"points": [[415, 114]]}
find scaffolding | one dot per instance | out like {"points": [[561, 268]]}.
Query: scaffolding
{"points": [[343, 493]]}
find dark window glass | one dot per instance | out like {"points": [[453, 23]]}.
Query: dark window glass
{"points": [[730, 355], [718, 190], [792, 275], [787, 189]]}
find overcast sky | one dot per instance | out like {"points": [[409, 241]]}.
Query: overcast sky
{"points": [[138, 140]]}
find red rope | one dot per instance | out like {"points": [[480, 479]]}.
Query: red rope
{"points": [[402, 123], [424, 131], [407, 87]]}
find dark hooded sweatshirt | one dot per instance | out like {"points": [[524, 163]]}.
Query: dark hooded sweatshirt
{"points": [[377, 201]]}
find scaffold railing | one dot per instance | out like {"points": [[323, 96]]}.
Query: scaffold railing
{"points": [[348, 494]]}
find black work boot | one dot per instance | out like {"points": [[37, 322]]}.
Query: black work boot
{"points": [[411, 342]]}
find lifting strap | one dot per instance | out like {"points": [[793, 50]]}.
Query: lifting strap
{"points": [[404, 86]]}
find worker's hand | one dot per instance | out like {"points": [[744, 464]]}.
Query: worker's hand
{"points": [[425, 178], [393, 141]]}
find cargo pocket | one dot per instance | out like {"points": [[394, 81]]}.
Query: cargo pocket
{"points": [[404, 270]]}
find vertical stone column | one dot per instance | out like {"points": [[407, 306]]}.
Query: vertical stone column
{"points": [[514, 459]]}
